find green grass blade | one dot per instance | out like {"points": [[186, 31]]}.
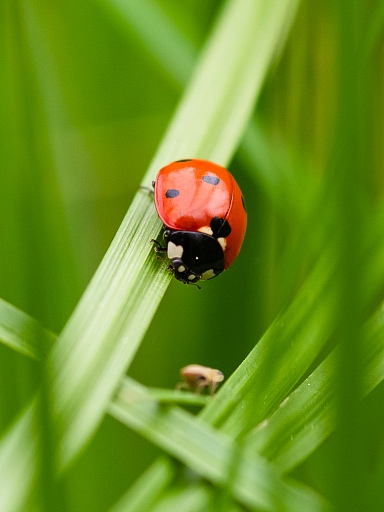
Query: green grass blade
{"points": [[18, 472], [287, 438], [289, 186], [193, 499], [31, 248], [309, 415], [209, 452], [22, 333], [241, 64], [147, 489], [165, 43], [205, 457], [293, 432], [180, 397]]}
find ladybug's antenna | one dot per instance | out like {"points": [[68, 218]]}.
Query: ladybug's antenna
{"points": [[194, 284]]}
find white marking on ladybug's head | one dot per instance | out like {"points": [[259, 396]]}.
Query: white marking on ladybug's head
{"points": [[223, 243], [206, 229], [181, 268], [174, 251], [191, 277], [208, 274]]}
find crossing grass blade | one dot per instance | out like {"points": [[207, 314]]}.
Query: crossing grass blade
{"points": [[22, 333], [210, 453], [287, 438], [142, 411], [195, 498], [309, 415]]}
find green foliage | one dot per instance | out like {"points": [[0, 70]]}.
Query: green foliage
{"points": [[290, 94]]}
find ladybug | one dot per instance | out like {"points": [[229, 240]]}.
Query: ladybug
{"points": [[203, 212]]}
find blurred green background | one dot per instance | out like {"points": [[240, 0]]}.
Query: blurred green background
{"points": [[87, 90]]}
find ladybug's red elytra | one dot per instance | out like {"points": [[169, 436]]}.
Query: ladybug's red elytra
{"points": [[204, 217]]}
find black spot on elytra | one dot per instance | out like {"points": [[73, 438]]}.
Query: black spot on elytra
{"points": [[171, 193], [185, 160], [243, 202], [220, 228], [212, 180]]}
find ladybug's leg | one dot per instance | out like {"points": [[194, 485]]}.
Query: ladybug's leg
{"points": [[189, 284], [159, 247], [148, 189]]}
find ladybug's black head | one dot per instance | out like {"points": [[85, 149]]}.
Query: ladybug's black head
{"points": [[183, 273], [194, 256]]}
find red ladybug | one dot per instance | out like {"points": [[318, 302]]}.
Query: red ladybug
{"points": [[204, 217]]}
